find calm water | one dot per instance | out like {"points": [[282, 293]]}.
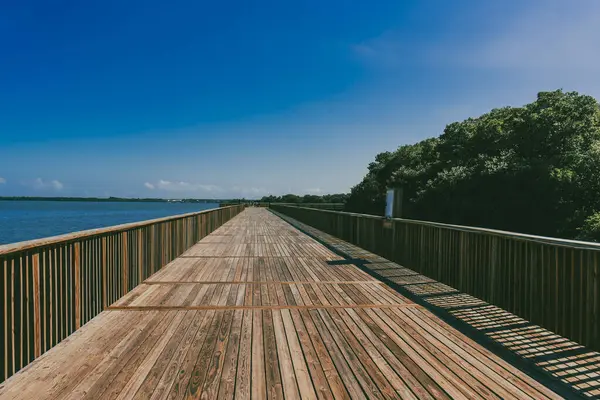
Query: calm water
{"points": [[26, 220]]}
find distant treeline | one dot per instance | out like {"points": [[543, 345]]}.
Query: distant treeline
{"points": [[309, 198], [106, 199], [532, 169]]}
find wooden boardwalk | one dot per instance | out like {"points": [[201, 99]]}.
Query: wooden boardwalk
{"points": [[260, 310]]}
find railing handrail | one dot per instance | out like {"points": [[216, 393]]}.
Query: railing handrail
{"points": [[68, 237], [513, 235], [308, 204]]}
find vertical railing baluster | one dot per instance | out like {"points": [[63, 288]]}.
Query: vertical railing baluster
{"points": [[77, 270], [124, 263]]}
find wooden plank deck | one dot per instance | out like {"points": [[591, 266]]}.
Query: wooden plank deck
{"points": [[260, 310]]}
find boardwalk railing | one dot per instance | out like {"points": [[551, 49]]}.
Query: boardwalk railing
{"points": [[551, 282], [50, 287]]}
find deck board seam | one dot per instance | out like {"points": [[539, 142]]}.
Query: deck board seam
{"points": [[260, 307], [373, 282]]}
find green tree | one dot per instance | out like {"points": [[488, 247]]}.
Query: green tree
{"points": [[533, 169], [590, 229]]}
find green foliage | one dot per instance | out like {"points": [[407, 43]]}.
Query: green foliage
{"points": [[533, 169], [590, 230]]}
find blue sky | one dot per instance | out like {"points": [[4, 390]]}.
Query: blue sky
{"points": [[227, 99]]}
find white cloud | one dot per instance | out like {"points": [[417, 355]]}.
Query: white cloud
{"points": [[2, 180], [183, 186], [53, 184], [314, 191]]}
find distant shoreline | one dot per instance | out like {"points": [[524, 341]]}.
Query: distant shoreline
{"points": [[109, 199]]}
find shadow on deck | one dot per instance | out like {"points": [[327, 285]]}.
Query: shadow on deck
{"points": [[568, 368]]}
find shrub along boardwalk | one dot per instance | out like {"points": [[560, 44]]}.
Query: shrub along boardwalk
{"points": [[260, 310]]}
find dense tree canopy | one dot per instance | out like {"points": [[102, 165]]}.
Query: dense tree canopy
{"points": [[532, 169]]}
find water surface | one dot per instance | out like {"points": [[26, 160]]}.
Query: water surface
{"points": [[26, 220]]}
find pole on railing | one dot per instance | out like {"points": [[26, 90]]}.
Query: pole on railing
{"points": [[393, 205]]}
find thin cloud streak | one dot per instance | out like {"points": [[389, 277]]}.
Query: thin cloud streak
{"points": [[182, 186], [185, 188], [541, 46], [557, 37]]}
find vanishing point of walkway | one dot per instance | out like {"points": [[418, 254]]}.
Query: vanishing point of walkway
{"points": [[260, 310]]}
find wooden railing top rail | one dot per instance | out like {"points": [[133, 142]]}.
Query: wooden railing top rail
{"points": [[308, 204], [513, 235], [285, 204], [68, 237]]}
